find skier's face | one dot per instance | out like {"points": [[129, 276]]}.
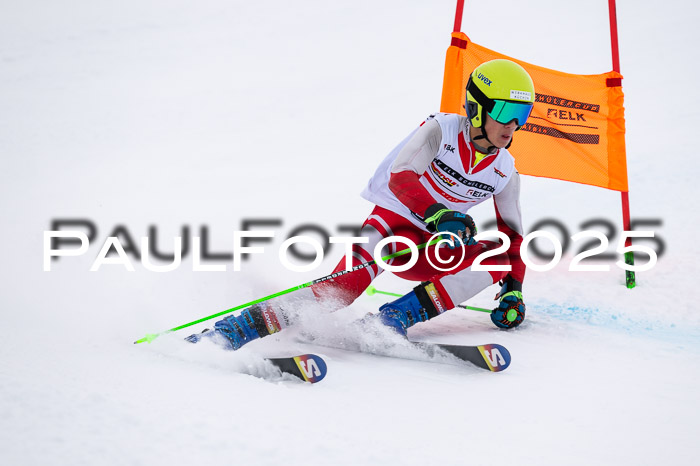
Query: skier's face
{"points": [[499, 134]]}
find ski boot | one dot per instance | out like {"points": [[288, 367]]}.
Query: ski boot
{"points": [[232, 332], [421, 304]]}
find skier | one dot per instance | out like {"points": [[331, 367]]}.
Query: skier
{"points": [[426, 185]]}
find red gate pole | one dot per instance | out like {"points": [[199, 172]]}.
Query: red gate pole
{"points": [[458, 15], [629, 257]]}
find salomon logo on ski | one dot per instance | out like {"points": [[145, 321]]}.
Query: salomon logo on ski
{"points": [[496, 357], [311, 367], [308, 367]]}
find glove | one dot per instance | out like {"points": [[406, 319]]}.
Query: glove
{"points": [[511, 311], [439, 218]]}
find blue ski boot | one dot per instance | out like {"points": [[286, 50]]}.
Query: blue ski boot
{"points": [[233, 332], [421, 304]]}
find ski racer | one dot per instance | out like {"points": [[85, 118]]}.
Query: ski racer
{"points": [[426, 185]]}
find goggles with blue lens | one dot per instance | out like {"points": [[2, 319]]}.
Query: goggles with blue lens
{"points": [[502, 111], [505, 111]]}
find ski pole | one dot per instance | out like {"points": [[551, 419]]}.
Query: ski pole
{"points": [[372, 291], [152, 336]]}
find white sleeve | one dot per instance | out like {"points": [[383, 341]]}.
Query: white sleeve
{"points": [[508, 204], [420, 150]]}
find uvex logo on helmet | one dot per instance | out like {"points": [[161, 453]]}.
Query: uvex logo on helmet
{"points": [[486, 80]]}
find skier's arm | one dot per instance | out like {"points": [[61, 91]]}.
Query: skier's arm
{"points": [[510, 222], [413, 160]]}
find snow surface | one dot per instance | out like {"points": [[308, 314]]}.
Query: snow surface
{"points": [[173, 113]]}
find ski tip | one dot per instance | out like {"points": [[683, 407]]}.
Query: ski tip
{"points": [[311, 367], [496, 357]]}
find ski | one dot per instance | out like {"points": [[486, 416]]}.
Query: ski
{"points": [[307, 367], [492, 357]]}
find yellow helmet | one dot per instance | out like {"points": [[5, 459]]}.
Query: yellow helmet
{"points": [[501, 88]]}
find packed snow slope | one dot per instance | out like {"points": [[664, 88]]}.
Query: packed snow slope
{"points": [[209, 114]]}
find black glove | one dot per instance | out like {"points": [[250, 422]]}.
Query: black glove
{"points": [[439, 218], [511, 310]]}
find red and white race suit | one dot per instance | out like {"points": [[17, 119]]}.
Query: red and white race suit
{"points": [[437, 162]]}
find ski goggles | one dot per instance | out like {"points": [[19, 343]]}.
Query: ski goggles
{"points": [[505, 111], [502, 111]]}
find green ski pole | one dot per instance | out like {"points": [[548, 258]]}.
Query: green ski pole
{"points": [[152, 336], [372, 291]]}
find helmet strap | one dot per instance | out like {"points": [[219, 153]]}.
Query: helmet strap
{"points": [[491, 149]]}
